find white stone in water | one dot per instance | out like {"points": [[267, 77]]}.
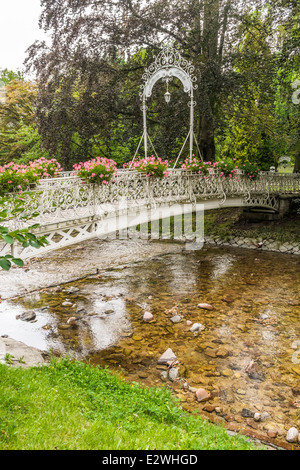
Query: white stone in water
{"points": [[147, 316], [206, 306], [292, 435], [176, 319], [167, 356], [196, 327]]}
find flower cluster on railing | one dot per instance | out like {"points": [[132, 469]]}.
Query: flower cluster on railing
{"points": [[150, 166], [222, 169], [98, 170], [17, 177]]}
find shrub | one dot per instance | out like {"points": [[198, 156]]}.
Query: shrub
{"points": [[151, 166], [99, 170], [15, 177], [197, 166], [250, 169], [226, 169]]}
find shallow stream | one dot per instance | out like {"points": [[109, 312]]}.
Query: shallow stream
{"points": [[247, 356]]}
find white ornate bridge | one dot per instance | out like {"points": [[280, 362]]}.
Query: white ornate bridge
{"points": [[70, 211]]}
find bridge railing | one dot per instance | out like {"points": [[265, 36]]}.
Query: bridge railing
{"points": [[68, 198]]}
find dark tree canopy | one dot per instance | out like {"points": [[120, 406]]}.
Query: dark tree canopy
{"points": [[90, 74]]}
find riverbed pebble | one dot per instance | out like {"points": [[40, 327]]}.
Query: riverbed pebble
{"points": [[147, 316], [205, 306], [202, 394], [176, 319], [167, 356], [196, 328], [29, 316], [173, 373], [292, 435]]}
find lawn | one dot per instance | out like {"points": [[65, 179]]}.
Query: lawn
{"points": [[70, 405]]}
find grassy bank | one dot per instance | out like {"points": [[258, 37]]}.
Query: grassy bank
{"points": [[70, 405]]}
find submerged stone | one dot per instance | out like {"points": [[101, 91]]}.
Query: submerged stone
{"points": [[292, 435], [197, 327], [173, 373], [147, 316], [176, 319], [167, 356], [30, 315], [206, 306], [202, 394]]}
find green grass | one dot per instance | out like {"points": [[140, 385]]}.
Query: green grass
{"points": [[69, 405]]}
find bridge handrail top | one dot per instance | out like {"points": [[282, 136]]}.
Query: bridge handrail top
{"points": [[123, 171]]}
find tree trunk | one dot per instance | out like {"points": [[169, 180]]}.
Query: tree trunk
{"points": [[206, 138], [297, 163], [211, 26]]}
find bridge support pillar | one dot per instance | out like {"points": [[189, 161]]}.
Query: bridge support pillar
{"points": [[285, 204]]}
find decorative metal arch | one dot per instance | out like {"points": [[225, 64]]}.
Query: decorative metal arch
{"points": [[167, 64]]}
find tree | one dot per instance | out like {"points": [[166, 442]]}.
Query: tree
{"points": [[249, 124], [7, 76], [289, 74], [94, 62], [19, 139]]}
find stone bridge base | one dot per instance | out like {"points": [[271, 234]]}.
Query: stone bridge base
{"points": [[262, 213]]}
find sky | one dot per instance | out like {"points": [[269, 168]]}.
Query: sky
{"points": [[19, 29]]}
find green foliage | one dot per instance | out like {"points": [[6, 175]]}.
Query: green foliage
{"points": [[9, 209], [69, 405], [17, 178], [21, 144], [13, 181], [7, 76], [251, 170]]}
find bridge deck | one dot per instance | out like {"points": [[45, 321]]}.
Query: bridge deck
{"points": [[69, 211]]}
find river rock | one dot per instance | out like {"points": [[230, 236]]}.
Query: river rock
{"points": [[264, 416], [257, 417], [164, 375], [173, 373], [254, 372], [206, 306], [272, 433], [202, 394], [222, 352], [147, 316], [197, 327], [167, 356], [292, 435], [247, 413], [176, 319], [228, 299], [73, 290], [30, 315]]}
